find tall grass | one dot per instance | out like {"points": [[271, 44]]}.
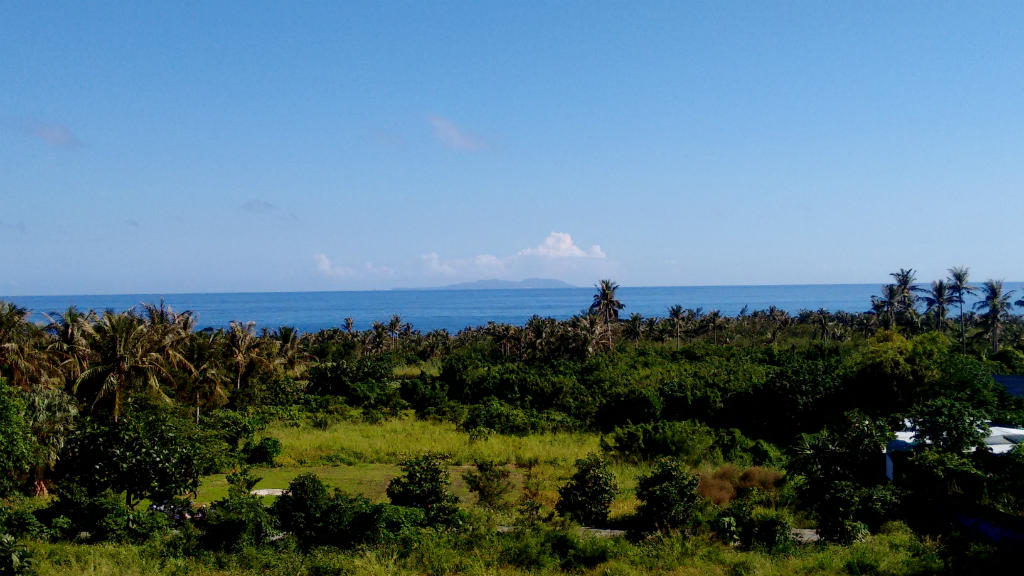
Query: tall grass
{"points": [[391, 441]]}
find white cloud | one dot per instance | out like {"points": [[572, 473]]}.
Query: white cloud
{"points": [[374, 270], [368, 269], [324, 266], [454, 137], [479, 264], [561, 245]]}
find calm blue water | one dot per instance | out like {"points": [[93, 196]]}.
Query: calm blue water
{"points": [[457, 309]]}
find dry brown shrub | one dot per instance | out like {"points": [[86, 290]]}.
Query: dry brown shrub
{"points": [[760, 477], [719, 490]]}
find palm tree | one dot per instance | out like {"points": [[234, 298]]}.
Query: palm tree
{"points": [[886, 305], [244, 348], [996, 307], [958, 276], [126, 358], [635, 328], [938, 300], [20, 361], [905, 297], [70, 344], [606, 306], [675, 317], [206, 374]]}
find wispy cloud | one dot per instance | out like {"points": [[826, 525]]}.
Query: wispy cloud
{"points": [[479, 264], [561, 245], [18, 226], [50, 133], [257, 206], [328, 268], [556, 255], [368, 269], [454, 137]]}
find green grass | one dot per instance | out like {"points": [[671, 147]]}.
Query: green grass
{"points": [[391, 441], [894, 552]]}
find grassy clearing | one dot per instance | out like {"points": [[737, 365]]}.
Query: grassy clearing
{"points": [[362, 458], [391, 441]]}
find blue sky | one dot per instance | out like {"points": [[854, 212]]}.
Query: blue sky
{"points": [[161, 147]]}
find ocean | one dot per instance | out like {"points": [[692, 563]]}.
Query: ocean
{"points": [[454, 310]]}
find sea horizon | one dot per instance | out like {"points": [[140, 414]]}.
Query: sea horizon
{"points": [[429, 309]]}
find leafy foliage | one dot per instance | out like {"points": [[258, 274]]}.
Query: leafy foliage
{"points": [[668, 497], [424, 484], [587, 497]]}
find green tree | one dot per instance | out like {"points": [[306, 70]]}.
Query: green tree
{"points": [[937, 302], [995, 310], [949, 425], [606, 305], [51, 414], [668, 497], [126, 359], [958, 277], [149, 453], [424, 484], [587, 497], [16, 447]]}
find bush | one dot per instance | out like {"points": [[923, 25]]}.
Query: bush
{"points": [[668, 498], [15, 440], [769, 530], [262, 452], [76, 514], [15, 559], [424, 484], [689, 441], [238, 521], [587, 497], [489, 482]]}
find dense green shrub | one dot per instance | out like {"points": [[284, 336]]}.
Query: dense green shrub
{"points": [[490, 482], [16, 444], [769, 530], [75, 514], [689, 441], [587, 497], [262, 451], [15, 558], [238, 521], [668, 498], [149, 453], [317, 518], [424, 484]]}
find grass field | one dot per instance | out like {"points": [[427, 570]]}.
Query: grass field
{"points": [[362, 458]]}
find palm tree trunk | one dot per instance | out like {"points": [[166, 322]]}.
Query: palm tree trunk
{"points": [[963, 332]]}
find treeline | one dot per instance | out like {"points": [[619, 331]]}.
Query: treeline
{"points": [[109, 409]]}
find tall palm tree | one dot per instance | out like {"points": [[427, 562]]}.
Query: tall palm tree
{"points": [[887, 305], [995, 306], [126, 358], [675, 317], [958, 276], [606, 305], [20, 360], [70, 346], [244, 348], [906, 295], [206, 375], [635, 328], [937, 300]]}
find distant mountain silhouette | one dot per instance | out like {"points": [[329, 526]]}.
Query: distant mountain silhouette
{"points": [[495, 284]]}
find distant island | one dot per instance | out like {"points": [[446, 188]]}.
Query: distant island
{"points": [[495, 284]]}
